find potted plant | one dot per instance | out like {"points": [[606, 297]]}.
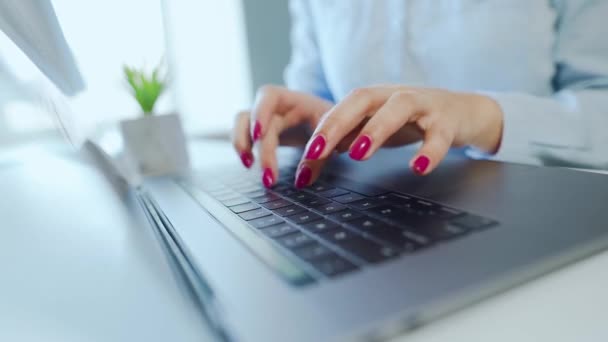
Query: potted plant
{"points": [[156, 143]]}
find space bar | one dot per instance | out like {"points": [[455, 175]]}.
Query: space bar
{"points": [[257, 244]]}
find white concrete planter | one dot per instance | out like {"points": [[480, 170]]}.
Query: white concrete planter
{"points": [[156, 144]]}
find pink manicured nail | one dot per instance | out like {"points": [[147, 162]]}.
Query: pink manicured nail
{"points": [[257, 131], [315, 148], [268, 178], [303, 177], [420, 164], [360, 147], [247, 159]]}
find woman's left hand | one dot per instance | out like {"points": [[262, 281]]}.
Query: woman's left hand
{"points": [[369, 118]]}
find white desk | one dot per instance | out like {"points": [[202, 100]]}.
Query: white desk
{"points": [[87, 279]]}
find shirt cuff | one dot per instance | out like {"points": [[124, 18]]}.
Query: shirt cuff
{"points": [[517, 132]]}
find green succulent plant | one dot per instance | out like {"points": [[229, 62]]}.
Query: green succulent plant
{"points": [[145, 87]]}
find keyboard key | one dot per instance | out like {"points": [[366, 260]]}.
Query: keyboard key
{"points": [[320, 226], [319, 187], [295, 240], [434, 213], [407, 216], [442, 231], [314, 201], [414, 218], [280, 203], [360, 188], [393, 196], [385, 232], [267, 197], [224, 196], [449, 231], [417, 236], [448, 213], [282, 184], [366, 203], [347, 198], [385, 211], [367, 250], [394, 237], [397, 199], [257, 193], [333, 265], [265, 221], [244, 207], [337, 236], [286, 190], [364, 224], [424, 203], [290, 210], [312, 251], [473, 222], [423, 207], [333, 193], [346, 215], [250, 191], [254, 214], [329, 208], [304, 217], [299, 196], [432, 227], [279, 230], [235, 201]]}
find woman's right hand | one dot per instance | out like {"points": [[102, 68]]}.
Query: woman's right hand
{"points": [[275, 109]]}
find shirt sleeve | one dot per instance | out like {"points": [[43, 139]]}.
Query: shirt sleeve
{"points": [[571, 127], [304, 71]]}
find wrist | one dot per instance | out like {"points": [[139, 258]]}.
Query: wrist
{"points": [[490, 118]]}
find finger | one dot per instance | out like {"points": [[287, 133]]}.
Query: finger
{"points": [[307, 172], [344, 145], [267, 150], [437, 141], [342, 119], [241, 140], [398, 110], [269, 100]]}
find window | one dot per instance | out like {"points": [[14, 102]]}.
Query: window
{"points": [[209, 55], [207, 63]]}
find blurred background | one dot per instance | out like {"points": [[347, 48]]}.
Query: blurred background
{"points": [[217, 54]]}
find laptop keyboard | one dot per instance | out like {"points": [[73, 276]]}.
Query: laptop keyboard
{"points": [[334, 227]]}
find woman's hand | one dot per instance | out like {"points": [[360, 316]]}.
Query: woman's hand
{"points": [[275, 110], [369, 118]]}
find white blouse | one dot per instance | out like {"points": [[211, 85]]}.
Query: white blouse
{"points": [[544, 61]]}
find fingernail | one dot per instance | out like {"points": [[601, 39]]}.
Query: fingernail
{"points": [[247, 159], [360, 147], [268, 178], [315, 148], [257, 131], [303, 177], [420, 164]]}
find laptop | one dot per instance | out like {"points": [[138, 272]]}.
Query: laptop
{"points": [[370, 250]]}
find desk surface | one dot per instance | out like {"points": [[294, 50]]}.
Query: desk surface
{"points": [[73, 274]]}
